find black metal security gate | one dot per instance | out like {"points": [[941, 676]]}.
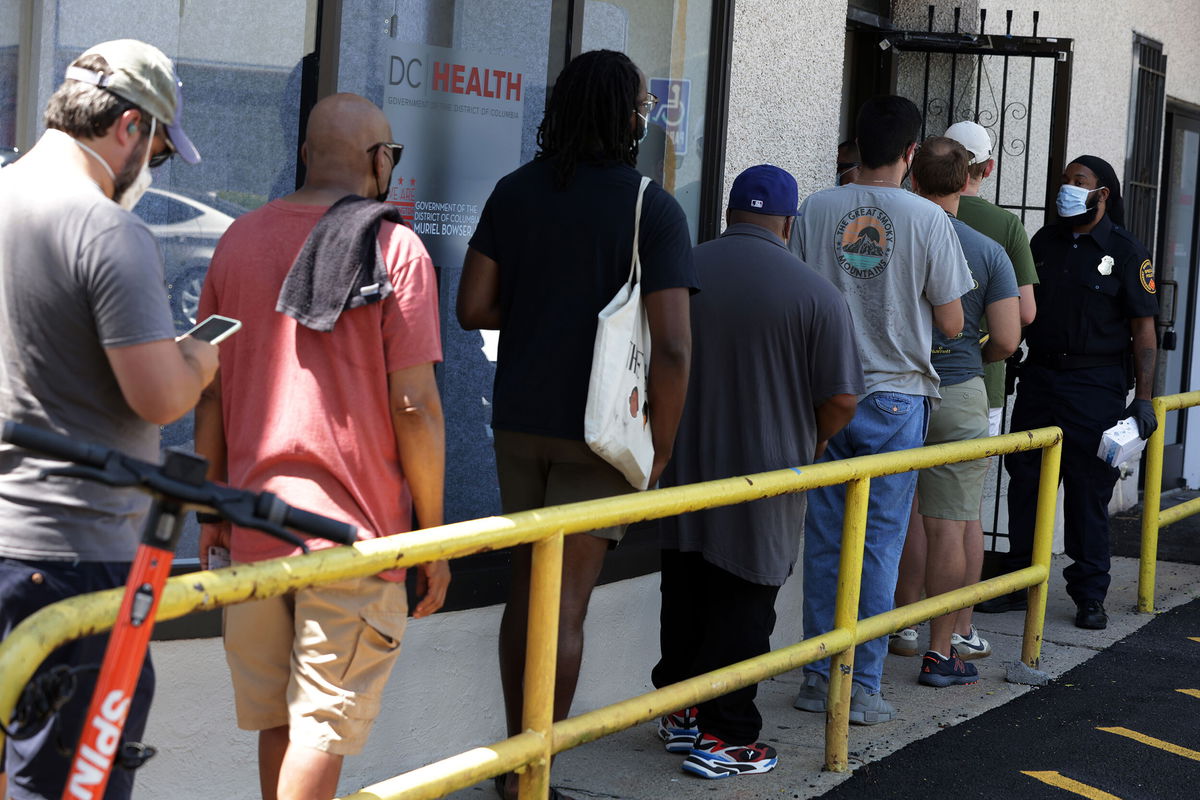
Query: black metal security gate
{"points": [[1018, 87]]}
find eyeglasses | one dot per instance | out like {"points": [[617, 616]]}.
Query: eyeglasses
{"points": [[649, 103], [394, 149], [846, 166], [166, 154]]}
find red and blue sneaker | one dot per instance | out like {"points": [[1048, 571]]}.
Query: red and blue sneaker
{"points": [[713, 758], [679, 731]]}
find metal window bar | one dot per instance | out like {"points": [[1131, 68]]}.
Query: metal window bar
{"points": [[1147, 115]]}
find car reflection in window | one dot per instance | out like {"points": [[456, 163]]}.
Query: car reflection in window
{"points": [[187, 226]]}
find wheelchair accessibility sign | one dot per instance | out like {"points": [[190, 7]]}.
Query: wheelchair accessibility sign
{"points": [[671, 113]]}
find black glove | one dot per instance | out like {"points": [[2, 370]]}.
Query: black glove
{"points": [[1143, 414]]}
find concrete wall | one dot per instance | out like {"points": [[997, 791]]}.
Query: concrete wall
{"points": [[785, 82]]}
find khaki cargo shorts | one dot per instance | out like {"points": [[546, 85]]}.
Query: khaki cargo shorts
{"points": [[316, 661], [954, 491]]}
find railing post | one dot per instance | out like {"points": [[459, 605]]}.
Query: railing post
{"points": [[541, 658], [845, 617], [1043, 539], [1151, 508]]}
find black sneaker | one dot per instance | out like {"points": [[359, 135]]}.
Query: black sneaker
{"points": [[1090, 614], [1013, 601], [942, 672]]}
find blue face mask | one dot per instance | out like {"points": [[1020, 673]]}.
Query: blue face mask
{"points": [[1072, 200]]}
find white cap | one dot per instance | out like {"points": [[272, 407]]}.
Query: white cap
{"points": [[974, 137]]}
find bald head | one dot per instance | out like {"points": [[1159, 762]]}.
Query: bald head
{"points": [[341, 128]]}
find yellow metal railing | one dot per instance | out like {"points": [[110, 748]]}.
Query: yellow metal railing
{"points": [[529, 753], [1153, 517]]}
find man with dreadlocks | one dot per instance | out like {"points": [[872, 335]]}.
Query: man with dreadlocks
{"points": [[1099, 280], [552, 247]]}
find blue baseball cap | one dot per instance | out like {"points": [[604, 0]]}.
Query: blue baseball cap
{"points": [[765, 189]]}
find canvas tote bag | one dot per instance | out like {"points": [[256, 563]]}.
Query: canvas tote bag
{"points": [[616, 424]]}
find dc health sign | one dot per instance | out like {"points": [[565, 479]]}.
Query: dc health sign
{"points": [[459, 116]]}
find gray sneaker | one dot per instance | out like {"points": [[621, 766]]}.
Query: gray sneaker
{"points": [[869, 709], [812, 693]]}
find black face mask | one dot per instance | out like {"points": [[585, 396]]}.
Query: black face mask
{"points": [[1087, 217]]}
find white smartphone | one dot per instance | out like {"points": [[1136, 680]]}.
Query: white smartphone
{"points": [[218, 557], [214, 330]]}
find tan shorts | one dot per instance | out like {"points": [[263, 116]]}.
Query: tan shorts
{"points": [[539, 471], [316, 661], [954, 491]]}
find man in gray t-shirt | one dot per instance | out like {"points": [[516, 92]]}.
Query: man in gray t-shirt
{"points": [[949, 495], [775, 373], [896, 260], [87, 349]]}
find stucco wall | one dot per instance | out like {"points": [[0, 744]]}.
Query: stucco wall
{"points": [[785, 82]]}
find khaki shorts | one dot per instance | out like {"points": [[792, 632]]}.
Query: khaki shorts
{"points": [[954, 491], [316, 661], [539, 471]]}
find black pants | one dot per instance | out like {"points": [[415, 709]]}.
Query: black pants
{"points": [[712, 618], [1084, 403]]}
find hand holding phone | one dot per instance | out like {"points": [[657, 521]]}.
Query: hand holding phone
{"points": [[214, 330]]}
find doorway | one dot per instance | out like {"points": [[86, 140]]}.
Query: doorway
{"points": [[1178, 263]]}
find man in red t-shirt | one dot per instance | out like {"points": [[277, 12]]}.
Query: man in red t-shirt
{"points": [[347, 423]]}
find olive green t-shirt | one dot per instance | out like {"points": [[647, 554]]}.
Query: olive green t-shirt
{"points": [[1004, 227]]}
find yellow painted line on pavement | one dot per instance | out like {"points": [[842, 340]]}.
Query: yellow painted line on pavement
{"points": [[1150, 740], [1191, 692], [1060, 781], [1194, 638]]}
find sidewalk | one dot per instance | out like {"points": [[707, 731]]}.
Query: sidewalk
{"points": [[632, 765]]}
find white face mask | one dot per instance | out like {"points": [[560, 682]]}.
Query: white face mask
{"points": [[1072, 200], [645, 127], [129, 198]]}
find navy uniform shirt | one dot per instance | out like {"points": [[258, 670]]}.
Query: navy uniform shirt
{"points": [[1081, 309]]}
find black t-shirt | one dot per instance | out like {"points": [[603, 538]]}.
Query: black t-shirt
{"points": [[1091, 286], [563, 254]]}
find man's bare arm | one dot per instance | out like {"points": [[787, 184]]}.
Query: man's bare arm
{"points": [[948, 318], [669, 314], [1028, 305], [1004, 329], [162, 380], [478, 304], [1145, 351], [833, 415], [416, 409], [210, 443]]}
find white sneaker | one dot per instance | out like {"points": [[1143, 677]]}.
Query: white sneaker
{"points": [[972, 647], [903, 642]]}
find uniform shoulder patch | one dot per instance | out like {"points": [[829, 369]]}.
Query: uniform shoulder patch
{"points": [[1146, 276]]}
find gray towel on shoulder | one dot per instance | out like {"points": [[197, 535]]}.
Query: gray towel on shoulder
{"points": [[341, 265]]}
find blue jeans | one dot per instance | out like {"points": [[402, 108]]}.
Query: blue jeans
{"points": [[884, 422], [36, 766]]}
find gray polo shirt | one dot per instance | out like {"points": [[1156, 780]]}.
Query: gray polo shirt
{"points": [[771, 340]]}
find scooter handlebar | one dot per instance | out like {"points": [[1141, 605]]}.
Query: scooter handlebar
{"points": [[54, 444]]}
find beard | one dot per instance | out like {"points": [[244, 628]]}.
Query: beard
{"points": [[1079, 220], [129, 171]]}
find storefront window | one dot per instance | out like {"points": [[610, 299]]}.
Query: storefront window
{"points": [[464, 86], [669, 41], [10, 40]]}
